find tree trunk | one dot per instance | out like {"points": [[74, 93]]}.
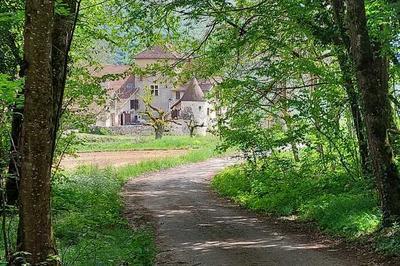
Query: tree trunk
{"points": [[63, 30], [295, 152], [343, 46], [191, 131], [358, 122], [372, 76], [159, 133], [14, 166], [34, 197]]}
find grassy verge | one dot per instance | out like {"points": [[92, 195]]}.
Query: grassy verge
{"points": [[89, 143], [338, 204], [87, 209]]}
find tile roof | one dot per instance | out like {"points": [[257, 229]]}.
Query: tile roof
{"points": [[204, 84], [111, 70], [193, 93], [123, 86], [157, 52], [127, 88]]}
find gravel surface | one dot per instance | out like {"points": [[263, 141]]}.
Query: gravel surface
{"points": [[195, 227]]}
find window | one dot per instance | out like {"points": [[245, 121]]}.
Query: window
{"points": [[177, 95], [154, 90], [200, 108], [208, 111], [135, 104], [129, 86]]}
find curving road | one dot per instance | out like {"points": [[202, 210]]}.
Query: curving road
{"points": [[194, 227]]}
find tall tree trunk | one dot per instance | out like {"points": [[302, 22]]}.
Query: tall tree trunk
{"points": [[358, 122], [34, 197], [63, 30], [342, 43], [372, 75], [60, 40]]}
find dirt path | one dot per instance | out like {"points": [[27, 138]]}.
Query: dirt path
{"points": [[194, 227], [116, 158]]}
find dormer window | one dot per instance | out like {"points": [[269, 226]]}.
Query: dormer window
{"points": [[154, 90], [129, 86]]}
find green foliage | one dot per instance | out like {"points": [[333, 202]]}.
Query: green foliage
{"points": [[88, 207], [337, 203], [88, 223], [388, 240], [8, 97]]}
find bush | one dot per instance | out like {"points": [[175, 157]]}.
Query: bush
{"points": [[99, 131], [88, 222], [337, 203]]}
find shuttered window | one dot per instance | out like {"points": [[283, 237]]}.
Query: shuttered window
{"points": [[135, 104]]}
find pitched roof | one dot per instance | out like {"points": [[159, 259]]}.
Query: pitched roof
{"points": [[120, 81], [157, 52], [193, 92], [127, 88], [205, 85], [110, 70]]}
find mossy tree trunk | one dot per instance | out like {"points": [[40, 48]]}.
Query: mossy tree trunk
{"points": [[48, 37], [372, 75], [342, 42], [35, 212]]}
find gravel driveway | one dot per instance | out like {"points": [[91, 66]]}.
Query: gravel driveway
{"points": [[195, 227]]}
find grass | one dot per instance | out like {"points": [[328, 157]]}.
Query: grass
{"points": [[90, 143], [338, 204], [87, 207], [88, 224]]}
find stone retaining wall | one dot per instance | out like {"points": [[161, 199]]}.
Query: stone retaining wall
{"points": [[143, 130]]}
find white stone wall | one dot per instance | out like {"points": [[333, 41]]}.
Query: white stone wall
{"points": [[199, 110]]}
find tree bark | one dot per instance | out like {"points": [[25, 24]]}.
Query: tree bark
{"points": [[372, 76], [159, 133], [34, 197], [63, 30], [342, 42], [358, 122]]}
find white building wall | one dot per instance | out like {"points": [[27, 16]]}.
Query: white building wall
{"points": [[199, 110]]}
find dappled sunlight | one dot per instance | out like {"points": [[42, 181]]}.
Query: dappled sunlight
{"points": [[193, 223]]}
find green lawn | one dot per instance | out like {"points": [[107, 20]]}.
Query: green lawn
{"points": [[89, 142]]}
